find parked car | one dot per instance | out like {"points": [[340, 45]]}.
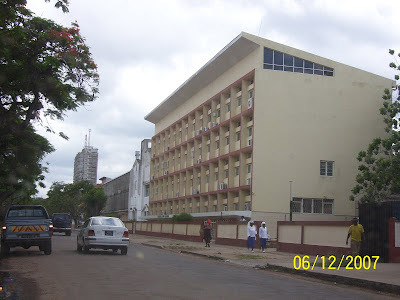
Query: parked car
{"points": [[62, 222], [103, 233], [26, 226]]}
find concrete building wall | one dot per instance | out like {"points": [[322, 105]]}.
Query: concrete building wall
{"points": [[117, 191], [243, 162]]}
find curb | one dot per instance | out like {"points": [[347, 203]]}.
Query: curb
{"points": [[154, 246], [202, 255], [367, 284]]}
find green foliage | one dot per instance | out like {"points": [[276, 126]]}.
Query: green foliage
{"points": [[46, 70], [94, 201], [183, 217], [81, 199], [379, 173]]}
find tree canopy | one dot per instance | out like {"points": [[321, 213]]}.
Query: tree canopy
{"points": [[81, 199], [45, 70], [379, 174]]}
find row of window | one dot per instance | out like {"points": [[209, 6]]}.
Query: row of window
{"points": [[275, 60], [312, 206]]}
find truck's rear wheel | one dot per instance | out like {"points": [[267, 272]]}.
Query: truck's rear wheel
{"points": [[5, 249], [47, 248]]}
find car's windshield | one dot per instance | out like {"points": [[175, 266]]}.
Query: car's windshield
{"points": [[17, 212], [106, 221]]}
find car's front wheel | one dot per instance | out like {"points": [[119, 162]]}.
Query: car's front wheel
{"points": [[124, 250]]}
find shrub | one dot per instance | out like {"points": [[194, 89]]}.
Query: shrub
{"points": [[183, 217]]}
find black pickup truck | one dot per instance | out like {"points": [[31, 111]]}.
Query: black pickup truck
{"points": [[26, 226]]}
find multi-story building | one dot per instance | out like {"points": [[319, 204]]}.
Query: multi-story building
{"points": [[128, 194], [259, 122], [139, 183], [85, 165]]}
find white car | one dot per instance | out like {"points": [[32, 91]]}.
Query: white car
{"points": [[103, 233]]}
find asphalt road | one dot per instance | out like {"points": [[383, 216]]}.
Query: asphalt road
{"points": [[150, 273]]}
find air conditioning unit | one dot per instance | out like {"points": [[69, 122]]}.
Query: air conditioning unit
{"points": [[249, 142], [248, 181], [196, 191], [177, 194], [198, 132], [250, 103], [223, 186], [213, 124], [247, 206], [214, 114], [199, 161], [225, 207], [205, 129], [165, 172]]}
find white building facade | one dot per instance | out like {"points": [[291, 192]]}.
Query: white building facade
{"points": [[139, 183]]}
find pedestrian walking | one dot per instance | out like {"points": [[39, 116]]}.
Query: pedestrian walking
{"points": [[251, 235], [207, 233], [356, 232], [263, 234]]}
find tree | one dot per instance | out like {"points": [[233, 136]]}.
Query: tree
{"points": [[94, 201], [45, 70], [380, 164], [75, 198]]}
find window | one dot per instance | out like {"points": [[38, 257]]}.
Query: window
{"points": [[216, 176], [226, 173], [227, 140], [228, 107], [275, 60], [312, 206], [250, 131], [249, 168], [217, 145], [326, 168], [239, 101], [237, 171], [238, 136], [146, 190], [207, 179]]}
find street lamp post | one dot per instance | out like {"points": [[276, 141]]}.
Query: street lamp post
{"points": [[291, 203]]}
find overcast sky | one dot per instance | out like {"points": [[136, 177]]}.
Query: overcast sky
{"points": [[146, 49]]}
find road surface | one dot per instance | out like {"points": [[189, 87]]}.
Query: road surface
{"points": [[150, 273]]}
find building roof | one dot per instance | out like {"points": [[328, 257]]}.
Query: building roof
{"points": [[229, 56]]}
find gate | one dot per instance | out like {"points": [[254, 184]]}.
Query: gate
{"points": [[374, 217]]}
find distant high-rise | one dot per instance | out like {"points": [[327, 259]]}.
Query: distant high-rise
{"points": [[85, 165]]}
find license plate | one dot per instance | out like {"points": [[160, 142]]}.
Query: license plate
{"points": [[28, 236], [108, 233]]}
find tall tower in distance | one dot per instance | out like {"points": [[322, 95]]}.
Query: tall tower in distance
{"points": [[85, 165]]}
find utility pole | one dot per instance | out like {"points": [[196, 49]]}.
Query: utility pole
{"points": [[291, 206]]}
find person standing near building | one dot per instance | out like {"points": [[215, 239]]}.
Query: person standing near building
{"points": [[207, 233], [263, 234], [251, 235], [356, 232]]}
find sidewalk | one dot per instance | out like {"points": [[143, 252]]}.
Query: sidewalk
{"points": [[385, 277]]}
